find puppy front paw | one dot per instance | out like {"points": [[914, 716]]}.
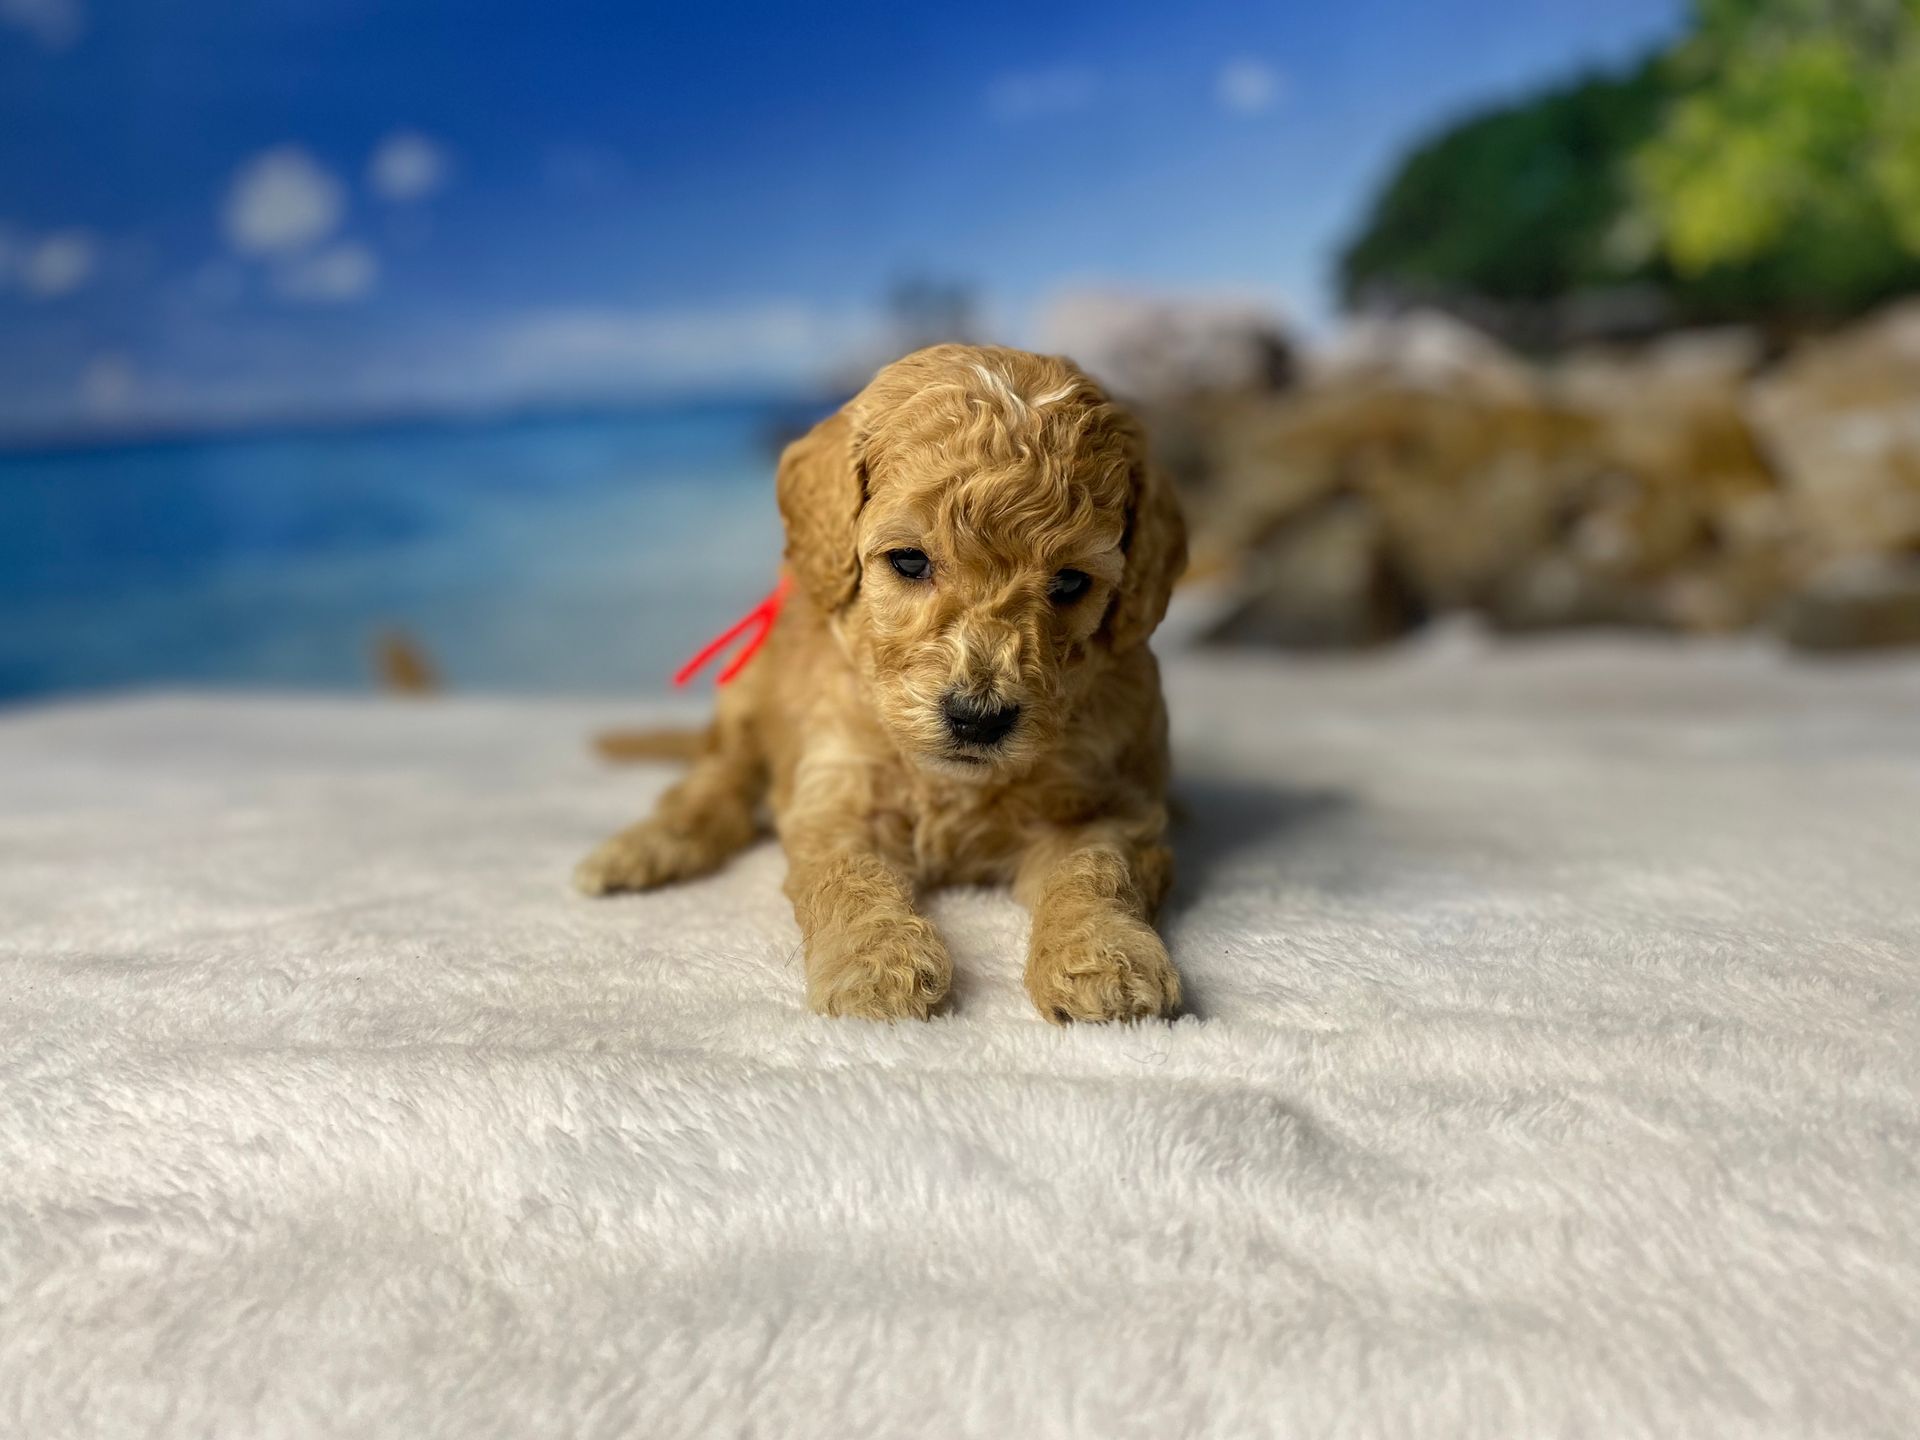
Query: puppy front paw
{"points": [[1112, 967], [885, 969]]}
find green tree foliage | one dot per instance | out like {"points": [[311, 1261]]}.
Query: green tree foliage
{"points": [[1786, 174], [1767, 165], [1524, 202]]}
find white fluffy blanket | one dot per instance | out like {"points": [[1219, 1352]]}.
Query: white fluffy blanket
{"points": [[1554, 1069]]}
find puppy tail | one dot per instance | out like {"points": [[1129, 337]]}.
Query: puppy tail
{"points": [[625, 747]]}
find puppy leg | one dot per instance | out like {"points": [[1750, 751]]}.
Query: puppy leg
{"points": [[869, 953], [1094, 954], [698, 826]]}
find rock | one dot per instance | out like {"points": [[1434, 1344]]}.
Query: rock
{"points": [[1841, 422], [1463, 487], [1721, 359], [1554, 590], [1248, 469], [1323, 582], [1467, 488], [1560, 588], [1158, 349], [1421, 469], [1683, 472], [1647, 509], [1732, 588], [1423, 350], [1857, 603]]}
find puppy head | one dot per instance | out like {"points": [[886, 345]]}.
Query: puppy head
{"points": [[983, 531]]}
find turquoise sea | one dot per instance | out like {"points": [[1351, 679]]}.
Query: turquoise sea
{"points": [[550, 554]]}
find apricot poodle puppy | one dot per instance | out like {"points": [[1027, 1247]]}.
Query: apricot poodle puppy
{"points": [[958, 691]]}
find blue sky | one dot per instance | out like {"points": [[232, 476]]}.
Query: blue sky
{"points": [[224, 208]]}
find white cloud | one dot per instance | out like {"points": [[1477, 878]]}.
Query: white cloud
{"points": [[282, 201], [57, 265], [56, 24], [407, 166], [340, 272], [1248, 87], [1038, 94]]}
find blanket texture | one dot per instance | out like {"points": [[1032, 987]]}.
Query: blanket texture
{"points": [[1552, 1068]]}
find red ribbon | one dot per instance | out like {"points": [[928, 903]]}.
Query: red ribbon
{"points": [[759, 620]]}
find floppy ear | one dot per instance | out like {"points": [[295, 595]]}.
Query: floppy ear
{"points": [[1156, 546], [821, 491]]}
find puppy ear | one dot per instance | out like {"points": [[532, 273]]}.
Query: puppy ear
{"points": [[820, 492], [1156, 547]]}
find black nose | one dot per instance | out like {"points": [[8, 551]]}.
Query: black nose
{"points": [[978, 722]]}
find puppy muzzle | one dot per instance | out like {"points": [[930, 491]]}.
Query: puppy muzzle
{"points": [[978, 723]]}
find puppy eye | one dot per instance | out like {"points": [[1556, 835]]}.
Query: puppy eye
{"points": [[911, 564], [1069, 585]]}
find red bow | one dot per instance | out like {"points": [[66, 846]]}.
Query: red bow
{"points": [[759, 620]]}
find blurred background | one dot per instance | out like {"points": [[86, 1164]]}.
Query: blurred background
{"points": [[346, 343]]}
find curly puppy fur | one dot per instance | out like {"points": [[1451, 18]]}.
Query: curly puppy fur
{"points": [[1004, 470]]}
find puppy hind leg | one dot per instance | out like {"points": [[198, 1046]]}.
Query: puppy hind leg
{"points": [[699, 824]]}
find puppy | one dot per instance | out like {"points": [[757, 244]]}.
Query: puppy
{"points": [[957, 691]]}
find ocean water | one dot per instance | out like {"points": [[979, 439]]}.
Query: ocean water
{"points": [[578, 555]]}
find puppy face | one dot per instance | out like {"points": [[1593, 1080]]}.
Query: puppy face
{"points": [[987, 565], [981, 527]]}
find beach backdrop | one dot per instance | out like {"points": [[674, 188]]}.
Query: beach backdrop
{"points": [[356, 343]]}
